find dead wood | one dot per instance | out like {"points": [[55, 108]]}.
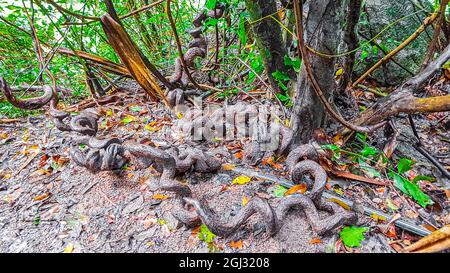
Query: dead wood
{"points": [[132, 58]]}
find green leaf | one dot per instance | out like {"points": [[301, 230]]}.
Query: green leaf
{"points": [[369, 151], [353, 236], [128, 119], [294, 63], [411, 189], [279, 191], [369, 170], [206, 235], [280, 76], [404, 165], [210, 4], [362, 137], [135, 109], [423, 178]]}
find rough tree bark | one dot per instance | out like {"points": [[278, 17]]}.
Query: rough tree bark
{"points": [[269, 38], [321, 28]]}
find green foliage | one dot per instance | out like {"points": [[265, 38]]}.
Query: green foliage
{"points": [[279, 191], [282, 78], [295, 63], [411, 189], [353, 236], [368, 158], [205, 235]]}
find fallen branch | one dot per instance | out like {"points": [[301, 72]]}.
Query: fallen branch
{"points": [[137, 65], [100, 61], [402, 99], [435, 242]]}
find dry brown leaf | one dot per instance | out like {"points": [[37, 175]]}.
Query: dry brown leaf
{"points": [[314, 241], [42, 197], [237, 245], [228, 167]]}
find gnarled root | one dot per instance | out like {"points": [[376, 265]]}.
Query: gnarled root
{"points": [[273, 218], [197, 47], [28, 104], [225, 228]]}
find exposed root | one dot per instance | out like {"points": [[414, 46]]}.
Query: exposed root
{"points": [[197, 47], [28, 104], [224, 228], [273, 218]]}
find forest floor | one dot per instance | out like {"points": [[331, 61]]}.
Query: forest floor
{"points": [[48, 204]]}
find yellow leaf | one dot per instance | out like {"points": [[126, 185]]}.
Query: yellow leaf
{"points": [[340, 203], [228, 167], [151, 128], [180, 115], [109, 113], [241, 180], [378, 217], [339, 72], [68, 248], [244, 201], [3, 136], [160, 197], [7, 176]]}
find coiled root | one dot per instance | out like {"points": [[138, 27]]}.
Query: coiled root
{"points": [[28, 104], [198, 47], [273, 218]]}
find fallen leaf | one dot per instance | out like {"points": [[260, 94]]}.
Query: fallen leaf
{"points": [[160, 197], [339, 73], [42, 197], [237, 245], [195, 231], [353, 236], [69, 248], [279, 191], [60, 160], [241, 180], [128, 119], [152, 128], [300, 188], [314, 241], [7, 176], [274, 164], [391, 233], [228, 167], [245, 201], [238, 155]]}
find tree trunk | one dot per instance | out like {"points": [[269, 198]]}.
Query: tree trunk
{"points": [[321, 33], [269, 38]]}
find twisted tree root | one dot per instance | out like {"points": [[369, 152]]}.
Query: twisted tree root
{"points": [[198, 47], [273, 218], [28, 104]]}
